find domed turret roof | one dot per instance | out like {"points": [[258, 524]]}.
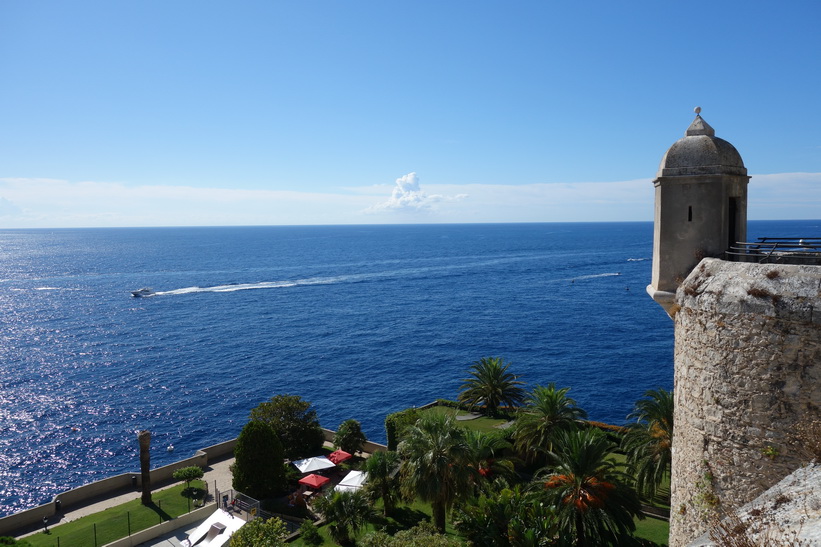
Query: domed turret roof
{"points": [[700, 152]]}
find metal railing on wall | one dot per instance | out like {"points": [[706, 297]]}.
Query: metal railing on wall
{"points": [[777, 250]]}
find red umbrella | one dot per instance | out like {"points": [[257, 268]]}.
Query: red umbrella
{"points": [[339, 456], [314, 481]]}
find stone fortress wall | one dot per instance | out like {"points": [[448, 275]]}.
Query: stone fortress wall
{"points": [[747, 370], [747, 335]]}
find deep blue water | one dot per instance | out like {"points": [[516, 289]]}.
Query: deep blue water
{"points": [[360, 320]]}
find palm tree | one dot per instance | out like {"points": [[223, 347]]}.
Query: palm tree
{"points": [[347, 512], [505, 517], [382, 468], [436, 464], [144, 438], [546, 412], [491, 385], [649, 440], [486, 454], [485, 520], [592, 502]]}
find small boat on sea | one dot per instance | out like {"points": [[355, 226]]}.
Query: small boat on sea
{"points": [[145, 291]]}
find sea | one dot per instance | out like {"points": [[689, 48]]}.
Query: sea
{"points": [[361, 321]]}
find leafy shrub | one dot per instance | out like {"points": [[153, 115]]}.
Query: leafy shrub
{"points": [[258, 469], [188, 474], [7, 540], [396, 423], [294, 422], [309, 533], [349, 437]]}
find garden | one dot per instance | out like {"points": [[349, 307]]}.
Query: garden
{"points": [[498, 466]]}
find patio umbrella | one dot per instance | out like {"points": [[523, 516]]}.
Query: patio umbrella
{"points": [[339, 456], [353, 481], [314, 481], [310, 465]]}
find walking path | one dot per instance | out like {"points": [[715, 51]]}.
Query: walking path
{"points": [[217, 475]]}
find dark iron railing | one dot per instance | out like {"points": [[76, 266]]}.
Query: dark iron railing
{"points": [[777, 250]]}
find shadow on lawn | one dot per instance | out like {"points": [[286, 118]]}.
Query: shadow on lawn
{"points": [[401, 518], [159, 510], [193, 492]]}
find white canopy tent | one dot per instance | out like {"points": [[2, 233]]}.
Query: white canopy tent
{"points": [[216, 530], [309, 465], [352, 482]]}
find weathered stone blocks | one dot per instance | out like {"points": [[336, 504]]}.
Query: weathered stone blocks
{"points": [[747, 370]]}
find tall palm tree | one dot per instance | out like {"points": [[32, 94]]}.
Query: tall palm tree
{"points": [[649, 440], [436, 464], [382, 468], [491, 385], [593, 503], [347, 512], [144, 438], [546, 412]]}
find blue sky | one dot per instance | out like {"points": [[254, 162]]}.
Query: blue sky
{"points": [[158, 113]]}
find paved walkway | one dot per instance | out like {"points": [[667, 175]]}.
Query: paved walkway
{"points": [[217, 475]]}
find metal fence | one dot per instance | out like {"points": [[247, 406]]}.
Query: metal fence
{"points": [[778, 250], [249, 508], [117, 527]]}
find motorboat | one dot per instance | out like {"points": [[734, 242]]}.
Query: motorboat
{"points": [[145, 291]]}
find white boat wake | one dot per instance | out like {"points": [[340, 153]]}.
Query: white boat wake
{"points": [[594, 276]]}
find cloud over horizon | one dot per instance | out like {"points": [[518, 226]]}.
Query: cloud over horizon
{"points": [[408, 196], [8, 209], [55, 203]]}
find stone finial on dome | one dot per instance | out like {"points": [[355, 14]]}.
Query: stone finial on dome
{"points": [[699, 126]]}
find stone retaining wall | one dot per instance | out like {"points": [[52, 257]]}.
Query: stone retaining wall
{"points": [[368, 446], [164, 528], [110, 485], [747, 371]]}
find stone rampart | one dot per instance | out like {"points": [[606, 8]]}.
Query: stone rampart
{"points": [[747, 370], [789, 513]]}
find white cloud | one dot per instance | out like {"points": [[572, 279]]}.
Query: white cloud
{"points": [[782, 196], [61, 203], [8, 209], [407, 196], [50, 203]]}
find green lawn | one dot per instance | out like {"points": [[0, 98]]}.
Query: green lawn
{"points": [[482, 423], [113, 523], [656, 530], [662, 498]]}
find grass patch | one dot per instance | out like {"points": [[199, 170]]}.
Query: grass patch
{"points": [[653, 529], [482, 423], [113, 523]]}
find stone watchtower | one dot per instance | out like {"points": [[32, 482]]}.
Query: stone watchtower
{"points": [[747, 337], [701, 207]]}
